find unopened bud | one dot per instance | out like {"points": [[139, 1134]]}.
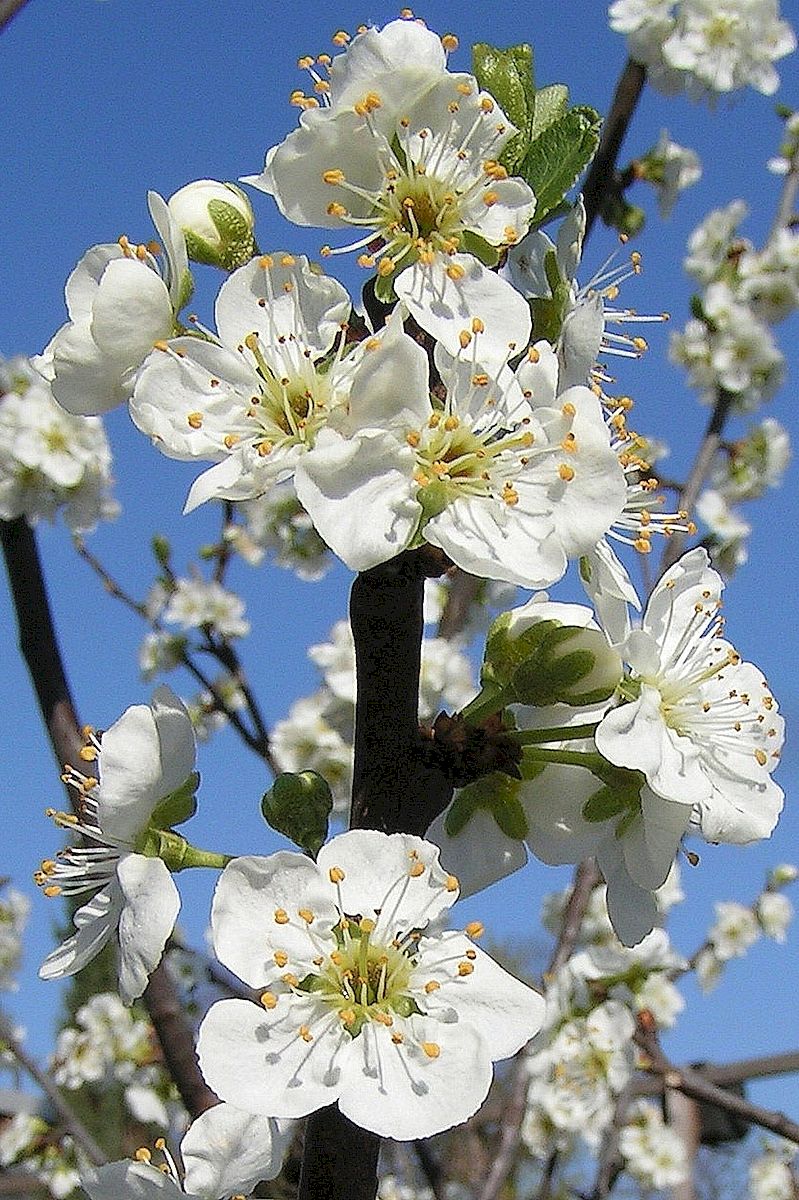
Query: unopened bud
{"points": [[217, 222]]}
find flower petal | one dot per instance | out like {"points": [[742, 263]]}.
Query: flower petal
{"points": [[151, 906], [226, 1151], [96, 920]]}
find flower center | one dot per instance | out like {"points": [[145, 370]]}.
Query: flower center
{"points": [[295, 397]]}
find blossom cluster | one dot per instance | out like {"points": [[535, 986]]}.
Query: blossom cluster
{"points": [[705, 47]]}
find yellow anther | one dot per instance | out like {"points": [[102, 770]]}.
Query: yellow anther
{"points": [[478, 326], [333, 177], [640, 343], [347, 1016], [385, 267], [52, 890], [406, 14], [340, 37], [397, 1039], [434, 420], [336, 957], [266, 261], [305, 1033], [510, 235], [251, 341], [569, 443], [568, 409], [142, 1155], [268, 999], [281, 916], [366, 260], [760, 755], [566, 472], [336, 210], [305, 62], [366, 925], [416, 869], [264, 449], [509, 494], [431, 1049], [643, 545], [480, 379], [464, 337], [451, 422], [450, 42], [321, 85], [195, 420], [452, 884], [306, 915], [161, 345], [230, 440], [88, 753], [471, 955], [413, 438], [383, 1018], [475, 929], [289, 979], [465, 968], [420, 478], [288, 287], [373, 344], [432, 985], [297, 96], [490, 199], [455, 271], [527, 439]]}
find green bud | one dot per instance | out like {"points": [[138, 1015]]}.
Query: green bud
{"points": [[572, 665], [178, 806], [499, 795], [161, 550], [299, 807], [217, 222]]}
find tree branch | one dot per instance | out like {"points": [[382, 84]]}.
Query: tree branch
{"points": [[599, 183], [8, 10]]}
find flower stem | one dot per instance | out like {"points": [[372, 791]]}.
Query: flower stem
{"points": [[534, 737]]}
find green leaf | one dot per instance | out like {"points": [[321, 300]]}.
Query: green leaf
{"points": [[499, 795], [604, 803], [472, 243], [299, 807], [556, 158], [550, 105], [509, 76], [178, 806]]}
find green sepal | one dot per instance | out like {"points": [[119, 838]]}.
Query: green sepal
{"points": [[697, 308], [585, 569], [472, 243], [530, 768], [504, 653], [498, 794], [299, 806], [547, 315], [185, 291], [510, 78], [162, 550], [384, 289], [313, 983], [178, 806], [433, 498], [170, 847], [559, 155], [604, 804], [235, 232], [619, 214]]}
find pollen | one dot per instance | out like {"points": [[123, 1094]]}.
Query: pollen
{"points": [[566, 472], [340, 37], [465, 968], [195, 420], [450, 42], [431, 1049], [413, 438], [306, 915], [480, 379], [416, 869], [230, 440], [143, 1155], [569, 410], [432, 985], [475, 929], [761, 757], [333, 177], [452, 884], [289, 979], [268, 999], [88, 753], [478, 326], [643, 544], [336, 210], [464, 337], [385, 267], [490, 199], [451, 422], [281, 916], [397, 1039], [509, 494], [305, 1033], [487, 104], [373, 344], [365, 260], [455, 271], [366, 925], [264, 449], [161, 345]]}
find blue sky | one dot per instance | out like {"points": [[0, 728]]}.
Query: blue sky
{"points": [[105, 99]]}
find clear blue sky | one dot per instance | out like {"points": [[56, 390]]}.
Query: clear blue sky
{"points": [[103, 99]]}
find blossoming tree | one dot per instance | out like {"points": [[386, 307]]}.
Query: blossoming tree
{"points": [[450, 435]]}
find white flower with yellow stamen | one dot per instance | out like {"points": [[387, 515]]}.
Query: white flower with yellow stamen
{"points": [[225, 1152], [121, 300], [358, 1006], [145, 757], [699, 723], [253, 399], [416, 172], [509, 486]]}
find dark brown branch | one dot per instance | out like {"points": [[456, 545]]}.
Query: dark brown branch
{"points": [[600, 182], [339, 1160], [42, 653], [8, 10], [69, 1120], [696, 1085]]}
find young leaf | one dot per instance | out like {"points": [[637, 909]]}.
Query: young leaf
{"points": [[556, 158], [509, 76]]}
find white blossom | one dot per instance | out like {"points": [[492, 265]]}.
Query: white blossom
{"points": [[144, 757], [50, 461], [774, 913], [195, 603], [358, 1005], [734, 930], [14, 909], [671, 168], [728, 531], [276, 522], [653, 1153], [771, 1176], [753, 463]]}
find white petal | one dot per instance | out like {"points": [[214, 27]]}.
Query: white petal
{"points": [[382, 879], [173, 242], [295, 302], [81, 287], [503, 1010], [151, 906], [246, 933], [651, 843], [128, 1180], [399, 62], [398, 1091], [553, 803], [480, 854], [340, 481], [258, 1060], [84, 381], [96, 920], [390, 384], [226, 1152], [632, 910], [131, 311], [445, 306]]}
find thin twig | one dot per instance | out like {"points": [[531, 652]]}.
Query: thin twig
{"points": [[696, 1085], [73, 1126], [599, 183]]}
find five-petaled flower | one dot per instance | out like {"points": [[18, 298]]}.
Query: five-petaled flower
{"points": [[358, 1004]]}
